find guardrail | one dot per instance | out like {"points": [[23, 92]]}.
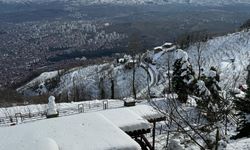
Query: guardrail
{"points": [[19, 118]]}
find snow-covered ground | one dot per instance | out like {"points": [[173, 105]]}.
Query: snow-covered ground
{"points": [[243, 144], [229, 53], [90, 131]]}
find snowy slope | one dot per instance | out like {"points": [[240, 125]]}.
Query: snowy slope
{"points": [[88, 82], [229, 53], [132, 2]]}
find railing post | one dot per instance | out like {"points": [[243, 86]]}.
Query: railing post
{"points": [[18, 115], [80, 108], [105, 105]]}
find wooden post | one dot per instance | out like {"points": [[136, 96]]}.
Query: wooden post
{"points": [[154, 124]]}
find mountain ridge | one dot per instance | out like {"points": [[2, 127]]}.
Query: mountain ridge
{"points": [[138, 2]]}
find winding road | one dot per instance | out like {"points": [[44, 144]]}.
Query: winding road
{"points": [[152, 72]]}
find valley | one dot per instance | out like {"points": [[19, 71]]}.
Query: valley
{"points": [[69, 34], [124, 74]]}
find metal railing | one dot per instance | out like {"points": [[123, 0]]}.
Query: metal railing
{"points": [[84, 107]]}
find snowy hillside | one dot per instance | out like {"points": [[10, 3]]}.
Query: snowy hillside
{"points": [[229, 53], [132, 2], [93, 82]]}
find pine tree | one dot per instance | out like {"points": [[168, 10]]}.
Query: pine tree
{"points": [[243, 105], [211, 103], [183, 78], [212, 82]]}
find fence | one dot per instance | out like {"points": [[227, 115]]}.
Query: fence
{"points": [[18, 117]]}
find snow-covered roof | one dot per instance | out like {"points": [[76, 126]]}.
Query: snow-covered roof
{"points": [[129, 99], [132, 61], [126, 119], [158, 47], [90, 131], [147, 112], [167, 44]]}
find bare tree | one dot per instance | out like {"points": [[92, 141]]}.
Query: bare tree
{"points": [[134, 48], [199, 59]]}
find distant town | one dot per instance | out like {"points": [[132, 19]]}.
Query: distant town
{"points": [[33, 47]]}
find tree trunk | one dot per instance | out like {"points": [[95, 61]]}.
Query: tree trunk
{"points": [[134, 88], [112, 89]]}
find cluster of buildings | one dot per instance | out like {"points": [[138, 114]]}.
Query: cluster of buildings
{"points": [[27, 46]]}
